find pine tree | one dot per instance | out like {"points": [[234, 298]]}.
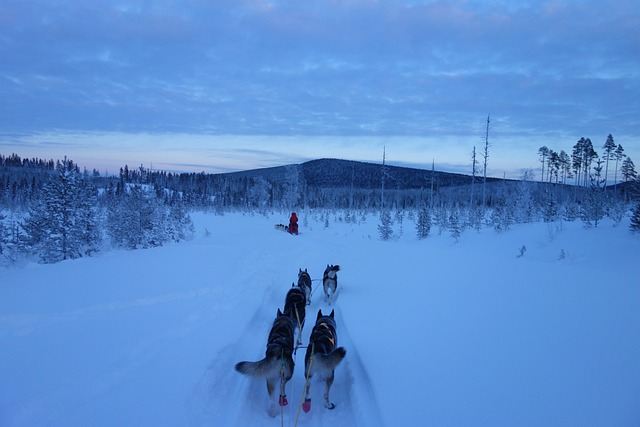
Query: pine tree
{"points": [[384, 228], [543, 152], [619, 155], [593, 208], [62, 224], [628, 170], [423, 226], [635, 218], [455, 228], [609, 153]]}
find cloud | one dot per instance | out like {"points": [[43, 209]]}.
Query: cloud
{"points": [[351, 68]]}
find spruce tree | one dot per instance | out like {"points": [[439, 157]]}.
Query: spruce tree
{"points": [[455, 228], [62, 224], [384, 228], [635, 219], [423, 226], [593, 207]]}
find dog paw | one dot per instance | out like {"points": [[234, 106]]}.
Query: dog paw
{"points": [[306, 405], [329, 405], [283, 401]]}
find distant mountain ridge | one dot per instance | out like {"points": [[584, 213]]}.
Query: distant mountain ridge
{"points": [[338, 173]]}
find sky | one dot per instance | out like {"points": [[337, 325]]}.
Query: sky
{"points": [[217, 86]]}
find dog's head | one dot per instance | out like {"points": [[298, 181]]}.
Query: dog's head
{"points": [[323, 318]]}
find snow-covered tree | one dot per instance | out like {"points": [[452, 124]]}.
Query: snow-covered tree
{"points": [[423, 225], [138, 219], [63, 224], [400, 221], [628, 170], [455, 228], [502, 216], [635, 218], [385, 227], [593, 207]]}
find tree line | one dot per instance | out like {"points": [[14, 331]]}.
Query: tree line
{"points": [[53, 211], [69, 216]]}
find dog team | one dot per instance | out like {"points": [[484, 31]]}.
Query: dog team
{"points": [[322, 355]]}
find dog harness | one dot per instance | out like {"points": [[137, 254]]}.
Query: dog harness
{"points": [[329, 335]]}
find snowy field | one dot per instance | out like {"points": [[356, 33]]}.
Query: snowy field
{"points": [[437, 333]]}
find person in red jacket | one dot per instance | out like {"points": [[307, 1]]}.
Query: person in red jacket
{"points": [[293, 223]]}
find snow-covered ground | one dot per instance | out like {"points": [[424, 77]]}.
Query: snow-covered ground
{"points": [[437, 333]]}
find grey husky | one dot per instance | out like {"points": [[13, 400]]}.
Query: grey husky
{"points": [[322, 357], [330, 281], [277, 365], [295, 305], [304, 282]]}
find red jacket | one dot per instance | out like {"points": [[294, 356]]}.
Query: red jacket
{"points": [[293, 219]]}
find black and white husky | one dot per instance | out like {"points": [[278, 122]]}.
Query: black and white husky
{"points": [[322, 357], [294, 305], [304, 281], [277, 365], [330, 281]]}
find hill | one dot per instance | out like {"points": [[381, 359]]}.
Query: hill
{"points": [[338, 173]]}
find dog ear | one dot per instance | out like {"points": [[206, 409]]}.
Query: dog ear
{"points": [[292, 284], [331, 315], [299, 270], [319, 314], [279, 313]]}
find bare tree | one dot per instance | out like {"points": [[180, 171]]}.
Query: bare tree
{"points": [[485, 155]]}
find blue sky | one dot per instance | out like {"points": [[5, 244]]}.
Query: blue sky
{"points": [[223, 85]]}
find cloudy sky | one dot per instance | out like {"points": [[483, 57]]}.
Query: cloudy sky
{"points": [[217, 85]]}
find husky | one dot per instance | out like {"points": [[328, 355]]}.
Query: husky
{"points": [[282, 227], [330, 281], [294, 304], [304, 282], [277, 364], [322, 357]]}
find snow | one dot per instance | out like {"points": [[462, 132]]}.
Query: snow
{"points": [[437, 333]]}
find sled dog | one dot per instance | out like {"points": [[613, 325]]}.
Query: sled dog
{"points": [[294, 305], [277, 364], [322, 357], [282, 227], [330, 281], [304, 282]]}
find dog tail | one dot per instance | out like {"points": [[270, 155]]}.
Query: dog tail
{"points": [[265, 368], [329, 361]]}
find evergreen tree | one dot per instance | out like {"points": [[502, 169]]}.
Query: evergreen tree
{"points": [[400, 221], [593, 207], [609, 153], [635, 218], [385, 227], [455, 228], [62, 225], [423, 225], [619, 155], [543, 152], [502, 216], [628, 170]]}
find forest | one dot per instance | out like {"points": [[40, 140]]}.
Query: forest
{"points": [[53, 210]]}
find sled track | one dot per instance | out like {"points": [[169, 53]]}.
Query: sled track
{"points": [[224, 397]]}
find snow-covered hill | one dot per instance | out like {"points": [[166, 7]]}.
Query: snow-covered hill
{"points": [[437, 333]]}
